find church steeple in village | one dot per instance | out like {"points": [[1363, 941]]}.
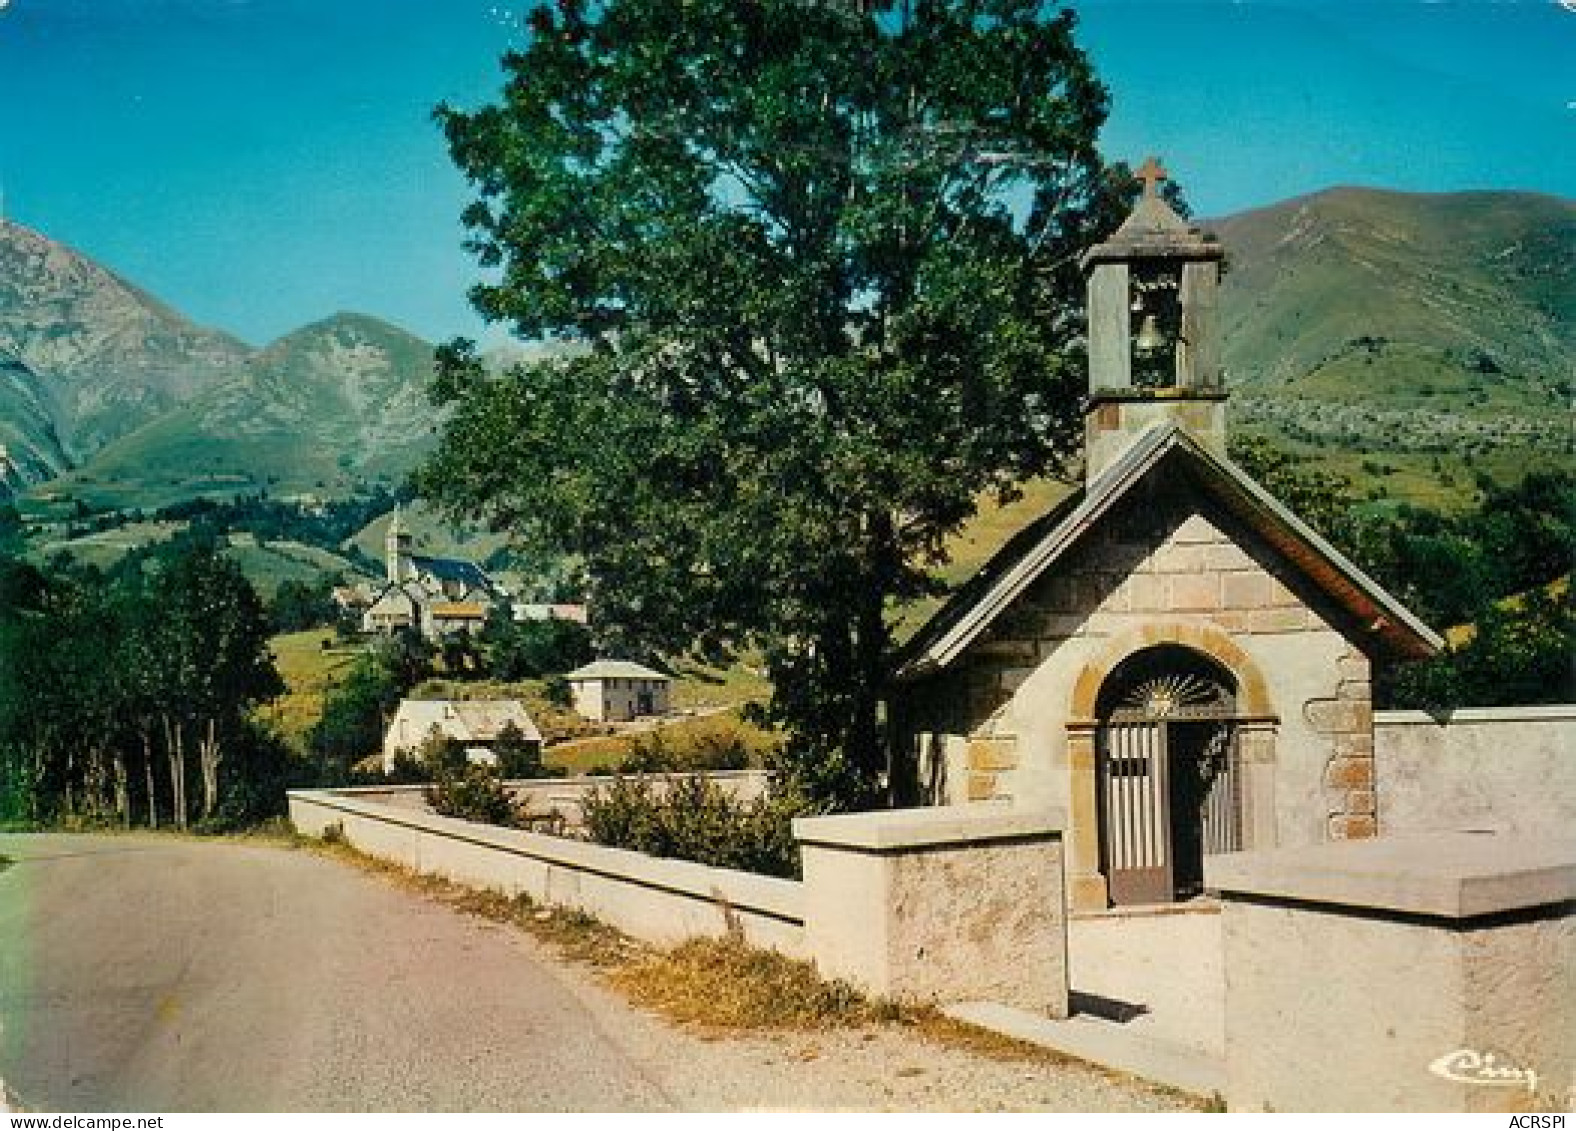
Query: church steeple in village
{"points": [[397, 550], [1154, 354]]}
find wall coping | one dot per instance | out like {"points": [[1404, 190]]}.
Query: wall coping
{"points": [[896, 830], [1437, 875], [768, 895], [1541, 712], [576, 780]]}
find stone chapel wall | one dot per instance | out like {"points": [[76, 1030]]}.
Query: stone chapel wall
{"points": [[994, 727]]}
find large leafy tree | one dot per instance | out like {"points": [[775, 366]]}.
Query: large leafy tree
{"points": [[820, 262]]}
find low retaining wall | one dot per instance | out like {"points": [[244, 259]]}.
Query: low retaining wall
{"points": [[1507, 769], [660, 901], [939, 905], [564, 796], [1430, 973], [945, 904]]}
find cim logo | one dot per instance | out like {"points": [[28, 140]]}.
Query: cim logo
{"points": [[1485, 1069]]}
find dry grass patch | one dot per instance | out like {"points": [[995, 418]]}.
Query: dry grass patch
{"points": [[312, 663], [718, 985], [725, 984]]}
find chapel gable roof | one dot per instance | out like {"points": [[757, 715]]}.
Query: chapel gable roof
{"points": [[1389, 625]]}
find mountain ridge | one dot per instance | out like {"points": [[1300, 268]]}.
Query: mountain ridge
{"points": [[108, 355], [1435, 329], [323, 410]]}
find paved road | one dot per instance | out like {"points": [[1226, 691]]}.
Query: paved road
{"points": [[152, 974]]}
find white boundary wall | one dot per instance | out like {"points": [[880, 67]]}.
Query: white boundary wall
{"points": [[1506, 769], [921, 904], [661, 901]]}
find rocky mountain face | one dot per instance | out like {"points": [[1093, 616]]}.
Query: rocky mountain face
{"points": [[121, 399], [107, 357], [29, 449], [1354, 321], [337, 403]]}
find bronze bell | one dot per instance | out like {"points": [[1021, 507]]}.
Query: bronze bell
{"points": [[1150, 337]]}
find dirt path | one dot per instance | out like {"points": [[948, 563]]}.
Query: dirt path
{"points": [[156, 974]]}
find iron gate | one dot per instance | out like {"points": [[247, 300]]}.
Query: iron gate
{"points": [[1170, 783]]}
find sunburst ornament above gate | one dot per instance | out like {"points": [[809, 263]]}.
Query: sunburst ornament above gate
{"points": [[1174, 693]]}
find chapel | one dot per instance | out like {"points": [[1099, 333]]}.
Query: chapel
{"points": [[1170, 657]]}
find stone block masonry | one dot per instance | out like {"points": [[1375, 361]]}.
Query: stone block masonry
{"points": [[1346, 719], [1156, 572]]}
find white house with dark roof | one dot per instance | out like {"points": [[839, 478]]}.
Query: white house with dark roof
{"points": [[477, 723], [608, 691], [436, 596]]}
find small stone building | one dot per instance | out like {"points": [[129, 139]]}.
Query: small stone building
{"points": [[435, 596], [608, 691], [1169, 657]]}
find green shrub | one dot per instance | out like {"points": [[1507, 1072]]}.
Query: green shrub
{"points": [[693, 818], [474, 793], [556, 690], [717, 747], [407, 769], [521, 757]]}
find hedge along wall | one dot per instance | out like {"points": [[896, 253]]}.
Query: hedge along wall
{"points": [[565, 796], [659, 901]]}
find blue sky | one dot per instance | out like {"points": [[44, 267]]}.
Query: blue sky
{"points": [[260, 164]]}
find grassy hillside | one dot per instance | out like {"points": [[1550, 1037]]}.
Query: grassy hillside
{"points": [[266, 565], [107, 547], [1432, 335], [432, 535], [986, 533], [311, 664], [335, 405]]}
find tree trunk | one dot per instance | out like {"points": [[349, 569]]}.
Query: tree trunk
{"points": [[209, 757], [865, 746], [174, 742], [870, 655], [147, 769], [122, 788]]}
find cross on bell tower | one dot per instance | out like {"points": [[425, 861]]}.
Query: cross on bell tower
{"points": [[1151, 172], [1154, 356]]}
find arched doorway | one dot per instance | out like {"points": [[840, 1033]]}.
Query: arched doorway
{"points": [[1169, 783]]}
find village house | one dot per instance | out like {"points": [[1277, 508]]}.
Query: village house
{"points": [[477, 723], [608, 691], [534, 611], [435, 596], [1170, 657]]}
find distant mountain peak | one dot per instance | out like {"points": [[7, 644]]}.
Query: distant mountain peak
{"points": [[107, 355]]}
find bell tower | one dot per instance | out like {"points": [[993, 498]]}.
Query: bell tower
{"points": [[397, 550], [1154, 353]]}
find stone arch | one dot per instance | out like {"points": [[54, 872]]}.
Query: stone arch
{"points": [[1253, 698], [1087, 885]]}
